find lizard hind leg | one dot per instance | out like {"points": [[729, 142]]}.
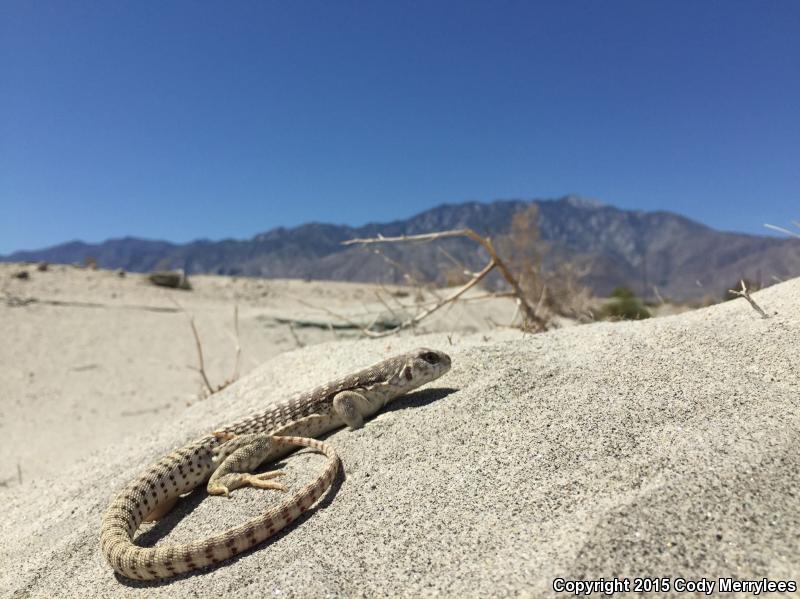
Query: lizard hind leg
{"points": [[246, 453], [161, 510]]}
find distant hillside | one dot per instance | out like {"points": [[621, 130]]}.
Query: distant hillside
{"points": [[684, 259]]}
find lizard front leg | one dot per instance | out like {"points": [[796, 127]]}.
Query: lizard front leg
{"points": [[346, 404], [245, 453]]}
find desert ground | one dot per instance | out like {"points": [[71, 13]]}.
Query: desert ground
{"points": [[664, 448], [92, 356]]}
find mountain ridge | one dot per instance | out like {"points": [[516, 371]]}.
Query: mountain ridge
{"points": [[644, 250]]}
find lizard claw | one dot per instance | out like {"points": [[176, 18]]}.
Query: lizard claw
{"points": [[219, 490]]}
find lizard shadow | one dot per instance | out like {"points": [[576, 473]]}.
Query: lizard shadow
{"points": [[418, 399], [189, 503]]}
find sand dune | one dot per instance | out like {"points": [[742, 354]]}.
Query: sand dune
{"points": [[663, 448], [90, 357]]}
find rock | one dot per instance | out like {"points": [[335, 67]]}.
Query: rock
{"points": [[175, 279]]}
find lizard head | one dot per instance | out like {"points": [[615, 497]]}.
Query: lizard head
{"points": [[422, 366]]}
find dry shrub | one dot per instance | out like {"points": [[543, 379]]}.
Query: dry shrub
{"points": [[453, 276], [555, 290], [523, 250]]}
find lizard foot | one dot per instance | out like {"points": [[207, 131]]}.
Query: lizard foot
{"points": [[225, 484]]}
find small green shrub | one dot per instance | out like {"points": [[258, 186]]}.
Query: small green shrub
{"points": [[622, 293], [624, 305]]}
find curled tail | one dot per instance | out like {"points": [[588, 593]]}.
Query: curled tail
{"points": [[150, 563]]}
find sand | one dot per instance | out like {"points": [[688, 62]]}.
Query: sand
{"points": [[90, 357], [665, 448]]}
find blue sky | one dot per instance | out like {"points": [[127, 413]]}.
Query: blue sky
{"points": [[179, 120]]}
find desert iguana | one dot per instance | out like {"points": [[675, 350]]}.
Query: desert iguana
{"points": [[227, 456]]}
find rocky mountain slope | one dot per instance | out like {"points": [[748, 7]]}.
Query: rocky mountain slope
{"points": [[643, 250]]}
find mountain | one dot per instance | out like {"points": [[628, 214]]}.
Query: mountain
{"points": [[682, 258]]}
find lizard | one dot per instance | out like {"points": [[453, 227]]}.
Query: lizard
{"points": [[226, 458]]}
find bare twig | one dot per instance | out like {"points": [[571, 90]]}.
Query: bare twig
{"points": [[785, 231], [333, 331], [344, 319], [155, 410], [531, 317], [452, 259], [199, 346], [483, 296], [367, 330], [392, 296], [210, 389], [658, 296], [424, 314], [296, 338], [472, 298], [387, 306], [407, 275], [235, 374], [542, 298], [743, 292], [516, 313]]}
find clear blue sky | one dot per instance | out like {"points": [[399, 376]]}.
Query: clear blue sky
{"points": [[179, 120]]}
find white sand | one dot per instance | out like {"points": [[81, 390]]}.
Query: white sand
{"points": [[97, 357], [665, 447]]}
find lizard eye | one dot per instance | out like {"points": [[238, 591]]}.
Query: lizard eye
{"points": [[431, 357]]}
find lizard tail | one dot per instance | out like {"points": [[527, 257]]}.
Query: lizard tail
{"points": [[152, 563]]}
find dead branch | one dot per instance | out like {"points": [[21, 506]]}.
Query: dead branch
{"points": [[344, 319], [411, 280], [210, 390], [425, 313], [294, 335], [350, 324], [407, 274], [387, 306], [533, 320], [235, 374], [483, 296], [456, 262], [516, 313], [199, 346], [743, 292], [392, 296], [785, 231]]}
